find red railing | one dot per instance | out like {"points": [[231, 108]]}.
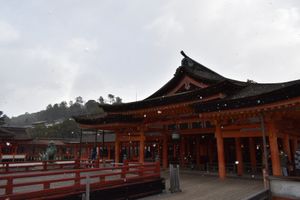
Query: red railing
{"points": [[13, 167], [63, 183]]}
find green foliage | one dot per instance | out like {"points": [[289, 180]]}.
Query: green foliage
{"points": [[62, 111], [1, 118], [65, 129], [4, 119]]}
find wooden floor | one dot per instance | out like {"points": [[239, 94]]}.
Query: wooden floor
{"points": [[196, 186]]}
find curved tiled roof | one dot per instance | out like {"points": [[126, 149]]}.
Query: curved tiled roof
{"points": [[108, 119], [238, 94], [223, 87], [192, 69]]}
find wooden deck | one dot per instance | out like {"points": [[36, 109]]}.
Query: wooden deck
{"points": [[65, 183], [196, 186]]}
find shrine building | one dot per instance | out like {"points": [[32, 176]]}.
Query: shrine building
{"points": [[221, 124]]}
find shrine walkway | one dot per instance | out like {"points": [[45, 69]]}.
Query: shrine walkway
{"points": [[197, 186]]}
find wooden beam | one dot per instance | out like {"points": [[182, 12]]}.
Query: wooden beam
{"points": [[232, 127], [236, 134], [197, 131]]}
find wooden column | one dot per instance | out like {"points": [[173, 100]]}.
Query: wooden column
{"points": [[239, 157], [220, 149], [252, 154], [165, 151], [98, 151], [75, 150], [295, 145], [286, 146], [117, 149], [142, 147], [197, 151], [108, 151], [15, 149], [87, 151], [274, 149], [210, 151], [182, 151]]}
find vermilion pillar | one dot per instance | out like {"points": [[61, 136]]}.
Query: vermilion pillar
{"points": [[220, 148], [165, 151], [108, 151], [252, 154], [239, 157], [182, 151], [294, 145], [274, 149], [142, 147], [117, 149], [286, 146], [210, 151], [197, 151]]}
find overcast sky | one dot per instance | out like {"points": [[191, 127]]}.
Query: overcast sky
{"points": [[55, 50]]}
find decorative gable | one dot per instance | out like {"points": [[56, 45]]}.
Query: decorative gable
{"points": [[187, 84]]}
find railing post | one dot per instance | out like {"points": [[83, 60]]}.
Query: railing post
{"points": [[45, 165], [97, 163], [9, 186], [87, 187], [157, 167], [46, 185], [77, 178], [77, 164], [7, 167], [141, 170], [124, 169]]}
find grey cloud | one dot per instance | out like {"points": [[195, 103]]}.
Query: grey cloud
{"points": [[56, 50]]}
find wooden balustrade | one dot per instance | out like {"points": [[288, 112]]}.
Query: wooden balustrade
{"points": [[101, 177], [12, 167]]}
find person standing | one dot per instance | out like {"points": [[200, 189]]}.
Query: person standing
{"points": [[284, 163], [297, 161]]}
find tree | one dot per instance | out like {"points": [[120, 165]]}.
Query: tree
{"points": [[2, 118], [79, 100], [101, 100], [63, 104], [49, 107], [111, 98], [118, 100]]}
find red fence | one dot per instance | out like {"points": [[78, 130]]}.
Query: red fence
{"points": [[12, 167], [68, 182]]}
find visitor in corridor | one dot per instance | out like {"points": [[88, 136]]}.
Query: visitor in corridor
{"points": [[94, 153], [297, 161], [284, 163]]}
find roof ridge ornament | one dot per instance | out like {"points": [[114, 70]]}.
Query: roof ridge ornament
{"points": [[186, 61]]}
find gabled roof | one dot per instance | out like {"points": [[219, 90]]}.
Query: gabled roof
{"points": [[108, 119], [226, 87], [235, 94], [5, 134], [193, 69], [18, 133], [253, 95]]}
